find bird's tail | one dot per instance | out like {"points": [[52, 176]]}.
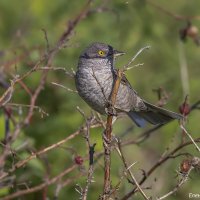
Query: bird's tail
{"points": [[154, 115]]}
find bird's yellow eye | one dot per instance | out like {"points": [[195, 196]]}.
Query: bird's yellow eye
{"points": [[101, 53]]}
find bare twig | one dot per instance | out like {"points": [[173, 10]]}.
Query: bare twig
{"points": [[181, 182], [143, 136], [40, 110], [41, 186], [134, 66], [108, 130], [157, 164], [126, 67], [119, 150], [36, 154], [48, 59], [70, 74], [186, 167], [89, 121], [6, 97], [46, 39], [169, 13], [183, 70], [66, 88], [108, 136], [185, 131]]}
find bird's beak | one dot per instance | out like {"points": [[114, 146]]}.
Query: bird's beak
{"points": [[117, 53]]}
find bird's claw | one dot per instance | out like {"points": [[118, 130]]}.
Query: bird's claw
{"points": [[107, 142], [110, 110]]}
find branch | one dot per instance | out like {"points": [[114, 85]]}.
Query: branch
{"points": [[41, 186], [108, 136], [157, 164], [169, 13], [108, 131], [89, 121], [119, 150], [185, 131], [183, 180], [36, 154], [126, 67]]}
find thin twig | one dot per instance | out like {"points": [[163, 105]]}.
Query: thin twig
{"points": [[169, 13], [91, 151], [183, 180], [62, 86], [119, 150], [183, 70], [134, 66], [41, 186], [157, 164], [36, 154], [134, 57], [28, 106], [185, 131]]}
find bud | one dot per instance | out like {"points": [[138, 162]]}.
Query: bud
{"points": [[192, 31], [185, 166], [78, 160], [185, 107]]}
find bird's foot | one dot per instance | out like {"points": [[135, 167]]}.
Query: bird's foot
{"points": [[110, 110], [109, 142]]}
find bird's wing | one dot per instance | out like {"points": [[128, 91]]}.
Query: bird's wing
{"points": [[164, 111], [125, 81], [153, 114]]}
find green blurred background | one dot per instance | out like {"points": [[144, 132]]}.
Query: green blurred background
{"points": [[127, 26]]}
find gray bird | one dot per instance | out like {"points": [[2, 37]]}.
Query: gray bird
{"points": [[94, 82]]}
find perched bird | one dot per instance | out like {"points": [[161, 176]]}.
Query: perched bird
{"points": [[94, 82]]}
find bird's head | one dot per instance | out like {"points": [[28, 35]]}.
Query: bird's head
{"points": [[101, 51]]}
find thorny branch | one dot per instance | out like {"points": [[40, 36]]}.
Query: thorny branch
{"points": [[186, 167], [119, 150], [46, 60], [108, 130], [41, 186], [171, 14], [7, 96], [158, 164], [89, 122], [108, 137]]}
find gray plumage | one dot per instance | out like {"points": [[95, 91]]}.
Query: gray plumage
{"points": [[94, 82]]}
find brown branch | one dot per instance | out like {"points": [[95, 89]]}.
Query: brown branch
{"points": [[186, 132], [47, 58], [157, 164], [119, 150], [7, 95], [34, 98], [108, 136], [25, 87], [143, 136], [89, 122], [35, 155], [108, 131], [74, 22], [169, 13], [180, 183], [41, 186], [64, 183], [50, 55], [186, 166]]}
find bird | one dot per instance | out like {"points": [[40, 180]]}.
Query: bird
{"points": [[95, 78]]}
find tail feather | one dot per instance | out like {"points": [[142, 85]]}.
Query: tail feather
{"points": [[154, 115], [141, 122]]}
